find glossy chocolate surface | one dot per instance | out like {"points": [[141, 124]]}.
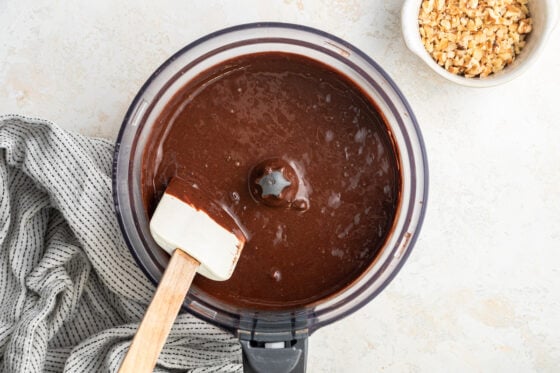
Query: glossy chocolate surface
{"points": [[223, 130]]}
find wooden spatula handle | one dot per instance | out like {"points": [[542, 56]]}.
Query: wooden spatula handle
{"points": [[161, 314]]}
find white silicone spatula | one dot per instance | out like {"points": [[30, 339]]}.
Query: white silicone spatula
{"points": [[205, 241]]}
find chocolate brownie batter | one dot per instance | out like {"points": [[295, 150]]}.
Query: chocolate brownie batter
{"points": [[302, 159]]}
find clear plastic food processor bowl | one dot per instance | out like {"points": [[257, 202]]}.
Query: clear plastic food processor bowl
{"points": [[259, 330]]}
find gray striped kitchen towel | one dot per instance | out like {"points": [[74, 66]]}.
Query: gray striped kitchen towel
{"points": [[71, 294]]}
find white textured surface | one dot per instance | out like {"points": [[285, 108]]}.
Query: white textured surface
{"points": [[481, 291]]}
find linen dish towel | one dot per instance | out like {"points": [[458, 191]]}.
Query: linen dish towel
{"points": [[71, 295]]}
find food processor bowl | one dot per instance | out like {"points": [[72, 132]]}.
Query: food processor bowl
{"points": [[273, 340]]}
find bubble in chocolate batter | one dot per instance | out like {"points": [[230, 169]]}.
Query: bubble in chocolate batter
{"points": [[276, 275]]}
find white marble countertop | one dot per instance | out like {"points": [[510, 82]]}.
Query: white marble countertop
{"points": [[481, 290]]}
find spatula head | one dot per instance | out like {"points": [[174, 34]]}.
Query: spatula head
{"points": [[186, 220]]}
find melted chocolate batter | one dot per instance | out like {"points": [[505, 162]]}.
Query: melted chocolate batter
{"points": [[300, 156]]}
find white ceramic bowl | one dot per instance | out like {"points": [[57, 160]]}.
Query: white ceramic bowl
{"points": [[545, 17]]}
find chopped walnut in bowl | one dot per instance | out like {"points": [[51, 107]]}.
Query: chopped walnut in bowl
{"points": [[474, 38], [478, 42]]}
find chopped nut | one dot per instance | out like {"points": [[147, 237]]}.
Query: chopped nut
{"points": [[525, 26], [428, 6], [477, 54], [474, 38]]}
